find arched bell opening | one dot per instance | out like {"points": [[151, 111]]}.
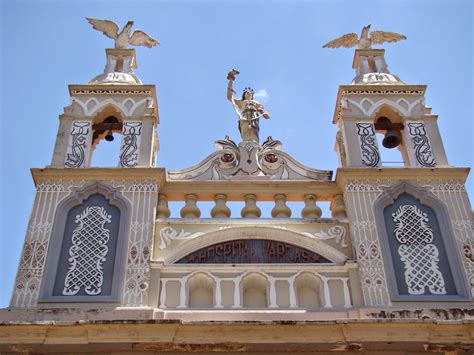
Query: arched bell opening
{"points": [[389, 132], [308, 291], [254, 291], [200, 291], [107, 124]]}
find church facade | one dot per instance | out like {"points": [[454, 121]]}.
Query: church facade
{"points": [[107, 267]]}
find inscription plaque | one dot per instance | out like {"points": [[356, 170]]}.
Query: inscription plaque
{"points": [[254, 251]]}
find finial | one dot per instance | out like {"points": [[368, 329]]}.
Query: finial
{"points": [[364, 42], [124, 38]]}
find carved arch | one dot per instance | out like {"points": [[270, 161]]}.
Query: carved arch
{"points": [[255, 232], [426, 198], [115, 198]]}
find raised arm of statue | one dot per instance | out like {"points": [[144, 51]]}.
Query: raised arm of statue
{"points": [[230, 89]]}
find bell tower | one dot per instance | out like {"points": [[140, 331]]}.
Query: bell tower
{"points": [[379, 102], [113, 102], [410, 221], [90, 234]]}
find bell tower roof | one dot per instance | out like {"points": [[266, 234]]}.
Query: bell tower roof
{"points": [[119, 69], [371, 68]]}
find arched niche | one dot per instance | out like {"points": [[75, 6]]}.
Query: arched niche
{"points": [[397, 156], [107, 123], [255, 232], [86, 256], [200, 289], [253, 288], [419, 247], [308, 289]]}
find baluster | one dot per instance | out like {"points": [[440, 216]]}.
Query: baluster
{"points": [[190, 209], [220, 210], [338, 208], [281, 210], [311, 210], [162, 210], [163, 294], [251, 209]]}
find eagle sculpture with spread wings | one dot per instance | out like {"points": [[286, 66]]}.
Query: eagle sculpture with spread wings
{"points": [[364, 42], [124, 38]]}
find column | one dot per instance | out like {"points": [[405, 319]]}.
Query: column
{"points": [[273, 303], [182, 293], [218, 294], [163, 294], [327, 294], [347, 296]]}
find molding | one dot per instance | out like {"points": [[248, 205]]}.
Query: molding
{"points": [[57, 235], [129, 90], [255, 232], [264, 189], [367, 90], [291, 331], [426, 198], [93, 174], [439, 173]]}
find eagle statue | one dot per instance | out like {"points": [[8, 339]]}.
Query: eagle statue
{"points": [[124, 38], [364, 42]]}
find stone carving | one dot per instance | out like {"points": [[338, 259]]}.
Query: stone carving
{"points": [[76, 156], [137, 276], [368, 145], [416, 251], [249, 159], [336, 232], [168, 234], [421, 144], [124, 38], [364, 42], [130, 140], [88, 252]]}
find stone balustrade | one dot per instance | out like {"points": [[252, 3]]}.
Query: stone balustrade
{"points": [[250, 208]]}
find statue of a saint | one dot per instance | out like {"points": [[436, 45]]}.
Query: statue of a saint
{"points": [[249, 110]]}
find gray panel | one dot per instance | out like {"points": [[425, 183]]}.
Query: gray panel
{"points": [[107, 265], [399, 266]]}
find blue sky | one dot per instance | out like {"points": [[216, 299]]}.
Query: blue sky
{"points": [[276, 45]]}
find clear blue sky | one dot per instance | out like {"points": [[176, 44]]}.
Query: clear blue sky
{"points": [[46, 45]]}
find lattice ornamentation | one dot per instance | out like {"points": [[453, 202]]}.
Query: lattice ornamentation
{"points": [[368, 144], [421, 144], [75, 158], [88, 252], [412, 226], [130, 143], [420, 257]]}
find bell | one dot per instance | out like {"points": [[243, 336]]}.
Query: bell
{"points": [[392, 139], [109, 137]]}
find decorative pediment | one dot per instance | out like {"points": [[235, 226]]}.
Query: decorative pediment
{"points": [[249, 160]]}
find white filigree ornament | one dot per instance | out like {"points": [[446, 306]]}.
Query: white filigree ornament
{"points": [[88, 252]]}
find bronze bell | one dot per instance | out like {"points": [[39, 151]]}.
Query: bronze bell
{"points": [[109, 137], [392, 139]]}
